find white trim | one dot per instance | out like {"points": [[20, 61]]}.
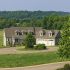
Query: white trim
{"points": [[4, 39]]}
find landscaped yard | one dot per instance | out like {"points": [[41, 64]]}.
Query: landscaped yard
{"points": [[20, 60], [28, 59]]}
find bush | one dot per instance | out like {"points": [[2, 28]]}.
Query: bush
{"points": [[66, 67], [60, 69], [40, 47]]}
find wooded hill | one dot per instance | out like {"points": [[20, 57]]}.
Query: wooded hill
{"points": [[45, 19], [29, 14]]}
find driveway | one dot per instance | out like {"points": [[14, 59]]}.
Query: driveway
{"points": [[51, 66], [13, 50]]}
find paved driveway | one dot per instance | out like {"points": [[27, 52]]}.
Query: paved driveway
{"points": [[51, 66]]}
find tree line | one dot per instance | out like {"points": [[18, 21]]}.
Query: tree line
{"points": [[47, 20], [29, 14]]}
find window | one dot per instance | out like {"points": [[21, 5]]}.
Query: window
{"points": [[18, 33], [50, 34], [50, 40], [41, 33], [16, 40], [32, 33], [25, 33], [7, 39]]}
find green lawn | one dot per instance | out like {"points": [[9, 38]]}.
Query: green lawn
{"points": [[1, 38], [21, 60]]}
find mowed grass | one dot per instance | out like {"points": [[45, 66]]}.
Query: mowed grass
{"points": [[21, 60], [1, 38]]}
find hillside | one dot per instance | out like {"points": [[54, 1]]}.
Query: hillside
{"points": [[29, 14]]}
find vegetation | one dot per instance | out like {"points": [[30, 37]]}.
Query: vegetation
{"points": [[1, 38], [66, 67], [48, 20], [40, 47], [29, 14], [20, 60], [64, 49], [30, 41]]}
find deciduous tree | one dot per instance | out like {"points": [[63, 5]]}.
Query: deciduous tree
{"points": [[64, 49]]}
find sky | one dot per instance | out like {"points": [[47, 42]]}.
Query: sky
{"points": [[34, 5]]}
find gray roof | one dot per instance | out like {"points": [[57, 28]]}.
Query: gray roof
{"points": [[46, 34], [10, 32]]}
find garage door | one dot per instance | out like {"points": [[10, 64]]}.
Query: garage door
{"points": [[50, 42], [46, 42]]}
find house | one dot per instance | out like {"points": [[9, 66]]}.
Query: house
{"points": [[17, 35]]}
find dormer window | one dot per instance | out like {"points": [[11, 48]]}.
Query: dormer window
{"points": [[51, 33], [18, 33], [32, 33], [41, 33], [25, 33]]}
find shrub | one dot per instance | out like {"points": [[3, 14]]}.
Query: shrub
{"points": [[60, 69], [66, 67], [40, 47]]}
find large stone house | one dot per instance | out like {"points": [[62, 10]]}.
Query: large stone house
{"points": [[17, 35]]}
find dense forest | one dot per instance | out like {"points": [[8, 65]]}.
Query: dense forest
{"points": [[45, 19]]}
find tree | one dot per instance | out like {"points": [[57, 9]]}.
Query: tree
{"points": [[44, 25], [64, 49], [30, 41]]}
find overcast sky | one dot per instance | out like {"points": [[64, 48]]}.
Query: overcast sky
{"points": [[34, 5]]}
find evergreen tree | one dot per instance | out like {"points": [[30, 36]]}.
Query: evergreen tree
{"points": [[30, 41]]}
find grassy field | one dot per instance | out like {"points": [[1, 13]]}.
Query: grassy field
{"points": [[21, 60], [1, 38]]}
